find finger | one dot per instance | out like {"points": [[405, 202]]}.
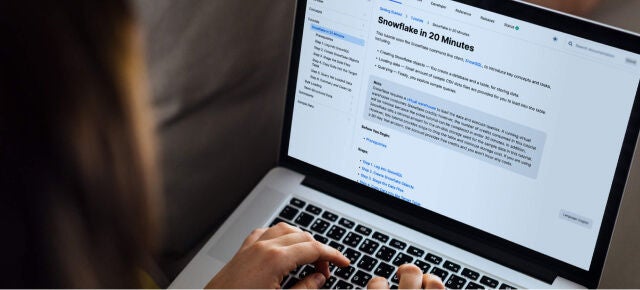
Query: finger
{"points": [[252, 238], [292, 238], [378, 283], [323, 267], [431, 282], [313, 281], [311, 252], [410, 277], [278, 230]]}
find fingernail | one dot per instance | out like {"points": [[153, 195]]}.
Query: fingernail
{"points": [[319, 279]]}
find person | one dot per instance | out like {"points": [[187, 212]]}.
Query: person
{"points": [[80, 189]]}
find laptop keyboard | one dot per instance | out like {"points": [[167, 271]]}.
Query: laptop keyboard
{"points": [[372, 253]]}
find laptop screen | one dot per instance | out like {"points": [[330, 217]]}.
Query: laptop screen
{"points": [[503, 125]]}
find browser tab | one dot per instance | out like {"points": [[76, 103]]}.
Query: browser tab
{"points": [[487, 19], [463, 12], [438, 5]]}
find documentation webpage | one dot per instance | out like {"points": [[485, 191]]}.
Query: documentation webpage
{"points": [[506, 126]]}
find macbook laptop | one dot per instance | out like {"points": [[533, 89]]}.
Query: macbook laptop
{"points": [[486, 142]]}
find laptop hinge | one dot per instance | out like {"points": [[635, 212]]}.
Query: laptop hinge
{"points": [[434, 230]]}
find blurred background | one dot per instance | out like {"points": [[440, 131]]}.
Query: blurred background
{"points": [[218, 73]]}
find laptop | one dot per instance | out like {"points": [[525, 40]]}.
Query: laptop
{"points": [[486, 142]]}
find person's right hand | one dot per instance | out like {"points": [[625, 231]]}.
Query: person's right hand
{"points": [[411, 277], [268, 255]]}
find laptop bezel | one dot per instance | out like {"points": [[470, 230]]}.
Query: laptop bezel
{"points": [[471, 239]]}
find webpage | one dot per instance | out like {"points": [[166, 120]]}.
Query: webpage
{"points": [[500, 124]]}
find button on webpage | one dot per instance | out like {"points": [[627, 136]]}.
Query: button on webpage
{"points": [[575, 218], [631, 61]]}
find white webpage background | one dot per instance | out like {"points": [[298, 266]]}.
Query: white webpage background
{"points": [[588, 109]]}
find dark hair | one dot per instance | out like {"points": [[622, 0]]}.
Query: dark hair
{"points": [[77, 172]]}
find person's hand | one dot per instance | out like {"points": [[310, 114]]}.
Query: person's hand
{"points": [[268, 255], [411, 277]]}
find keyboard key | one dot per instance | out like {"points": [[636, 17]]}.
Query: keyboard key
{"points": [[352, 255], [284, 279], [336, 233], [304, 219], [276, 221], [505, 286], [397, 244], [424, 266], [329, 282], [313, 209], [297, 203], [367, 263], [363, 230], [306, 271], [384, 270], [352, 239], [320, 226], [343, 285], [455, 282], [453, 267], [344, 273], [292, 282], [346, 223], [330, 216], [473, 275], [288, 212], [321, 239], [415, 251], [402, 259], [361, 278], [395, 279], [489, 282], [440, 273], [337, 246], [393, 286], [380, 237], [473, 285], [431, 258], [296, 270], [385, 253], [369, 246]]}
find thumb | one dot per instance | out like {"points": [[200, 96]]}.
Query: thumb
{"points": [[378, 283], [313, 281]]}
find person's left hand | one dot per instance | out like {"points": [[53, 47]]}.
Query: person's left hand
{"points": [[411, 277], [268, 255]]}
